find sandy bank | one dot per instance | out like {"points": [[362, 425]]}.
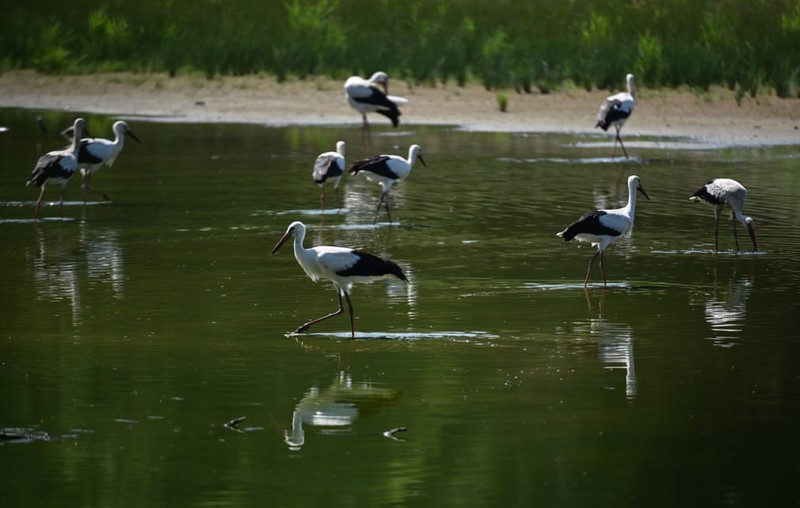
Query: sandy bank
{"points": [[712, 118]]}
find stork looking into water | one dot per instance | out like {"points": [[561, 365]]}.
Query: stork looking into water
{"points": [[388, 170], [603, 227], [722, 193], [57, 166], [365, 96], [615, 111], [340, 265], [329, 166]]}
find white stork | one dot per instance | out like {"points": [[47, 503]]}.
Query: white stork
{"points": [[329, 166], [340, 265], [93, 153], [365, 96], [726, 192], [57, 166], [603, 227], [615, 111], [388, 170]]}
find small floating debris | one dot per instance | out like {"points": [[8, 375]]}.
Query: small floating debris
{"points": [[392, 434], [22, 436], [234, 424]]}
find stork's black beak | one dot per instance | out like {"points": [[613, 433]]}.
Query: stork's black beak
{"points": [[130, 133], [422, 160], [68, 133], [752, 236], [641, 189], [280, 242]]}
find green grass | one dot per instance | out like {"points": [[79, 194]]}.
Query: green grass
{"points": [[745, 45]]}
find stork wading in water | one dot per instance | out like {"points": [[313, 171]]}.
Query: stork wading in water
{"points": [[366, 96], [722, 193], [604, 227], [329, 166], [388, 170], [342, 266], [93, 153], [615, 111], [57, 167]]}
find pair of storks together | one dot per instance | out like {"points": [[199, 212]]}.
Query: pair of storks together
{"points": [[86, 154]]}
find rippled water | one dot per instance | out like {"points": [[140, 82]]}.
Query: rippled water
{"points": [[133, 331]]}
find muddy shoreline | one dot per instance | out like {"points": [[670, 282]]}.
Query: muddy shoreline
{"points": [[711, 119]]}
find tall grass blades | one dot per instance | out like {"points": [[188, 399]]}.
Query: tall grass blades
{"points": [[747, 45]]}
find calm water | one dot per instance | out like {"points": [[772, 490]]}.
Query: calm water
{"points": [[133, 331]]}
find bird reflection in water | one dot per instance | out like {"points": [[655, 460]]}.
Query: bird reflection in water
{"points": [[335, 408], [55, 272], [725, 310], [614, 344], [63, 264]]}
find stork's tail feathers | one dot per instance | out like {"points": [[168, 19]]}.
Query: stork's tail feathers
{"points": [[566, 234], [37, 178], [397, 271], [373, 266], [703, 195], [392, 114], [360, 164], [602, 124]]}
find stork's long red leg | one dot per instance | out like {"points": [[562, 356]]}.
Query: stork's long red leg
{"points": [[38, 203], [589, 271], [603, 267], [386, 204], [350, 307], [385, 200], [366, 134], [305, 326], [620, 144]]}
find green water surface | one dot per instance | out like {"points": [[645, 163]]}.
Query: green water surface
{"points": [[132, 331]]}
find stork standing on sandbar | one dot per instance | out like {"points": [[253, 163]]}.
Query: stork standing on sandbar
{"points": [[329, 166], [388, 170], [365, 96], [615, 111], [93, 153], [604, 227], [722, 193], [340, 265], [57, 167]]}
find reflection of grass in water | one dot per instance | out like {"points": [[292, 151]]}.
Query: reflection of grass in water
{"points": [[537, 47]]}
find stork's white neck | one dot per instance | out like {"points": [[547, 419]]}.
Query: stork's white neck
{"points": [[630, 208]]}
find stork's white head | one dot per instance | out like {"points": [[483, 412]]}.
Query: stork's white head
{"points": [[296, 228], [635, 184], [79, 130], [341, 147], [122, 128], [381, 78], [80, 127], [751, 228], [414, 153]]}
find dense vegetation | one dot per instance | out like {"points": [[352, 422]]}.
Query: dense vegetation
{"points": [[741, 44]]}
